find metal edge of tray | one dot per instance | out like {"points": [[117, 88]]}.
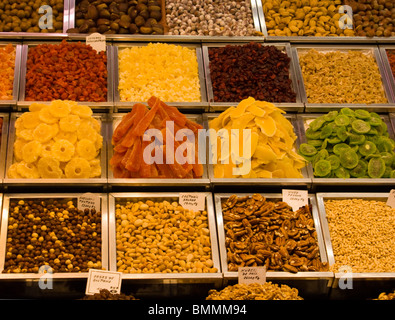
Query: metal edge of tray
{"points": [[273, 182], [164, 277], [3, 146], [339, 181], [297, 106], [321, 196], [37, 276], [314, 107], [255, 15], [390, 76], [32, 35], [127, 105], [308, 275], [63, 182], [147, 182], [392, 118], [22, 104]]}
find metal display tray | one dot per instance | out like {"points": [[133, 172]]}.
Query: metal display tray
{"points": [[202, 182], [5, 104], [293, 74], [314, 39], [367, 279], [259, 183], [390, 76], [22, 104], [324, 107], [356, 183], [3, 143], [126, 105], [307, 281], [59, 196], [169, 278], [56, 183]]}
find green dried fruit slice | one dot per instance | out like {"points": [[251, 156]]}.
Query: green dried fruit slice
{"points": [[385, 144], [367, 148], [334, 160], [326, 132], [392, 175], [375, 121], [317, 123], [360, 126], [342, 120], [322, 168], [342, 133], [348, 159], [376, 168], [356, 138], [362, 114], [373, 131], [347, 112], [387, 172], [310, 134], [342, 173], [316, 143], [387, 157], [334, 140], [331, 115], [360, 170], [337, 149], [307, 149]]}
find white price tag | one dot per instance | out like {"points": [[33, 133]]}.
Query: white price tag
{"points": [[102, 279], [247, 275], [97, 41], [193, 201], [391, 199], [296, 198], [89, 201]]}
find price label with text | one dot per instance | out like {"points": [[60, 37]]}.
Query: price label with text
{"points": [[193, 201], [247, 275], [296, 198], [97, 41], [89, 201], [102, 279], [391, 199]]}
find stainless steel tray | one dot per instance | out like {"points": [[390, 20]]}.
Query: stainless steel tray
{"points": [[36, 183], [66, 275], [126, 105], [260, 182], [203, 182], [326, 276], [22, 104], [3, 144], [169, 278], [18, 47], [385, 61], [323, 107], [337, 182], [321, 197], [293, 74], [392, 118]]}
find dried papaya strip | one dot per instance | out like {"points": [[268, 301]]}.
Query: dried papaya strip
{"points": [[125, 124], [134, 161], [116, 159], [172, 112], [126, 157], [197, 169], [145, 168], [145, 121], [165, 171]]}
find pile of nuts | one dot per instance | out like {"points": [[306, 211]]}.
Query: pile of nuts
{"points": [[255, 291], [210, 18], [259, 232], [162, 237], [386, 296], [104, 294], [53, 233]]}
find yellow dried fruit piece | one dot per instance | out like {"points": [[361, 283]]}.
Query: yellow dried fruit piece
{"points": [[47, 149], [86, 132], [30, 120], [43, 132], [59, 109], [63, 150], [70, 136], [18, 145], [81, 111], [99, 142], [77, 168], [31, 151], [267, 126], [12, 172], [265, 154], [46, 116], [35, 106], [25, 134], [86, 149], [95, 168], [48, 167], [69, 123], [27, 170]]}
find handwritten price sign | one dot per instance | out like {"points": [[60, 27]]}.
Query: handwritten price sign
{"points": [[193, 201]]}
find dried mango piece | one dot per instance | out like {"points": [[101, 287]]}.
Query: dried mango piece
{"points": [[267, 126], [256, 110], [264, 154]]}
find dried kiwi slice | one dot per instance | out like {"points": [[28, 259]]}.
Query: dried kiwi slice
{"points": [[348, 159], [317, 123], [376, 168], [362, 114], [367, 148], [385, 144], [360, 126], [307, 149], [375, 121], [342, 120], [392, 175], [337, 149], [325, 132], [334, 160], [316, 143], [356, 138], [334, 140], [387, 157], [342, 173], [360, 170], [342, 133], [331, 115], [310, 134], [322, 168], [347, 112]]}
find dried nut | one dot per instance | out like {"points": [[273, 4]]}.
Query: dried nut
{"points": [[145, 30]]}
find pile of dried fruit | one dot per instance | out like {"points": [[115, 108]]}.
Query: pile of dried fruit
{"points": [[59, 140], [349, 143], [251, 70], [272, 142], [130, 158], [391, 60], [7, 67], [104, 294], [66, 71]]}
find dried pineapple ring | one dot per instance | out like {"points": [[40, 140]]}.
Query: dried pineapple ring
{"points": [[59, 109], [27, 170], [77, 168], [18, 144], [81, 111], [86, 149], [95, 124], [86, 132], [48, 167], [95, 168], [99, 142], [13, 173], [43, 133], [71, 136], [47, 149], [70, 123], [30, 120], [37, 106], [63, 150], [25, 134], [31, 151], [46, 116], [19, 123]]}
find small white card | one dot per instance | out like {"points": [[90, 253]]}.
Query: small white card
{"points": [[248, 275], [391, 199], [296, 198], [102, 279], [89, 201], [97, 41], [193, 201]]}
